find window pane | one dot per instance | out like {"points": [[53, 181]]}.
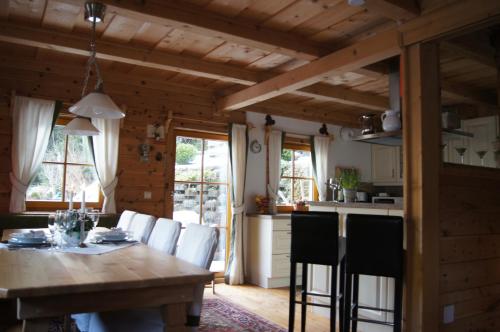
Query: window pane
{"points": [[214, 205], [303, 167], [79, 178], [57, 145], [215, 161], [187, 203], [285, 192], [47, 184], [79, 150], [220, 254], [286, 162], [188, 153], [302, 190]]}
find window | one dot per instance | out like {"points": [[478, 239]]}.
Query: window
{"points": [[67, 167], [297, 182], [201, 186]]}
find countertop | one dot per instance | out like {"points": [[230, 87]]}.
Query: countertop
{"points": [[358, 205]]}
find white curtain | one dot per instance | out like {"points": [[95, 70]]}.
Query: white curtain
{"points": [[320, 150], [31, 127], [105, 147], [238, 155], [274, 147]]}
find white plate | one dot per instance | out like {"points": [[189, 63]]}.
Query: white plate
{"points": [[27, 240], [112, 236]]}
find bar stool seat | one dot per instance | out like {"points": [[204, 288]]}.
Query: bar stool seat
{"points": [[315, 240], [374, 246]]}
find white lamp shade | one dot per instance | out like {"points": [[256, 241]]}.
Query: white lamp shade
{"points": [[80, 127], [97, 105]]}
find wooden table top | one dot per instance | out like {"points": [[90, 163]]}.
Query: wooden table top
{"points": [[29, 273]]}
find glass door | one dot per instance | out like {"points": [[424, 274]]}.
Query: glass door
{"points": [[201, 187]]}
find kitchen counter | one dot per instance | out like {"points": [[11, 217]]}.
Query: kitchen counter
{"points": [[356, 205]]}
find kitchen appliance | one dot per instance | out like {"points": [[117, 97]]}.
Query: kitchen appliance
{"points": [[387, 200], [361, 196], [367, 124]]}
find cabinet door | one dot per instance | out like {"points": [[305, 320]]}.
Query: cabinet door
{"points": [[375, 292], [384, 161]]}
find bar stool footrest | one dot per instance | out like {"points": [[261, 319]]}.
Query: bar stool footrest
{"points": [[364, 320]]}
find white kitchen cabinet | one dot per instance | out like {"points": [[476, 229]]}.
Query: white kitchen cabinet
{"points": [[386, 165], [268, 251]]}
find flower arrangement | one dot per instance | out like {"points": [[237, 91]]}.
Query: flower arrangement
{"points": [[300, 205]]}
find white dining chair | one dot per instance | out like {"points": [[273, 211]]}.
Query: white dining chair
{"points": [[126, 219], [165, 235], [198, 247], [141, 227]]}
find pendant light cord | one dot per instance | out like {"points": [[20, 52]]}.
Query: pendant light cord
{"points": [[92, 61]]}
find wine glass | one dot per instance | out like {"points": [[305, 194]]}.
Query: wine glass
{"points": [[94, 216], [481, 155], [52, 229], [461, 153]]}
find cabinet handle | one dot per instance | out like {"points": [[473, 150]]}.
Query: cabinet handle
{"points": [[289, 224], [289, 232], [393, 172]]}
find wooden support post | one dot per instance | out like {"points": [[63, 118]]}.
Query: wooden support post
{"points": [[422, 161]]}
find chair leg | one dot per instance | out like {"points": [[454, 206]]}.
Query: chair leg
{"points": [[398, 304], [347, 303], [303, 298], [342, 295], [291, 314], [355, 294], [333, 300], [213, 287]]}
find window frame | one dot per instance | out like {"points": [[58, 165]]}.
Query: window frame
{"points": [[288, 208], [208, 136], [62, 205]]}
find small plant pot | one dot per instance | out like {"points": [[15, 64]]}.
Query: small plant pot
{"points": [[349, 195]]}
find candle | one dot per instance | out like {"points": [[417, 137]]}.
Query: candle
{"points": [[83, 201], [70, 207]]}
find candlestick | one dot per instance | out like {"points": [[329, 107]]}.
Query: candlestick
{"points": [[70, 207], [83, 202]]}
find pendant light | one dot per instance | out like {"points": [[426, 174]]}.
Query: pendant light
{"points": [[96, 104], [80, 126]]}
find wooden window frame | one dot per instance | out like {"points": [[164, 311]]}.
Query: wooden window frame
{"points": [[62, 205], [217, 137], [294, 146]]}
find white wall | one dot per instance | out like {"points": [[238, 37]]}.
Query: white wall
{"points": [[343, 153]]}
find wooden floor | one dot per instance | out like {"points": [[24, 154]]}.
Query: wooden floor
{"points": [[271, 304]]}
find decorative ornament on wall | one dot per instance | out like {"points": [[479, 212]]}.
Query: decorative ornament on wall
{"points": [[255, 146]]}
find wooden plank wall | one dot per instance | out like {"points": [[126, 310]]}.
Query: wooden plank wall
{"points": [[469, 211], [135, 176]]}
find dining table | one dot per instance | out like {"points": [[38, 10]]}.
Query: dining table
{"points": [[49, 283]]}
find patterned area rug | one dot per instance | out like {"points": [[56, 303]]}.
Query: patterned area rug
{"points": [[217, 316], [223, 316]]}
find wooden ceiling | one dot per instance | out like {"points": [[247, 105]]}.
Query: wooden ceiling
{"points": [[210, 50]]}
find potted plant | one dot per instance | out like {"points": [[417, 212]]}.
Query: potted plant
{"points": [[349, 181]]}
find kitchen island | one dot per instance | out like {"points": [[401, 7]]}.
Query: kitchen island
{"points": [[373, 291]]}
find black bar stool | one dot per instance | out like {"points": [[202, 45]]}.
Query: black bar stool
{"points": [[315, 240], [374, 247]]}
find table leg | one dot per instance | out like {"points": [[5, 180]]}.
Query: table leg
{"points": [[174, 317], [36, 325]]}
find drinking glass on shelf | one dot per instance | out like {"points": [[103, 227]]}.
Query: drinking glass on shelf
{"points": [[52, 229], [481, 155], [461, 153]]}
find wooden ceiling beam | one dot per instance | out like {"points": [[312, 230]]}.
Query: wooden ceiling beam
{"points": [[71, 44], [345, 96], [470, 53], [398, 10], [361, 54], [471, 94], [188, 17]]}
